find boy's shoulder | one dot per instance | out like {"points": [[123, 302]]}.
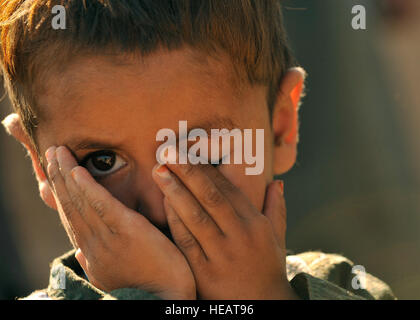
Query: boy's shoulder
{"points": [[68, 281], [319, 275], [313, 275]]}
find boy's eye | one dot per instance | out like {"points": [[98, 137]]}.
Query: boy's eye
{"points": [[102, 163]]}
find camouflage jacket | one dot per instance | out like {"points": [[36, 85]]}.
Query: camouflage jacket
{"points": [[313, 275]]}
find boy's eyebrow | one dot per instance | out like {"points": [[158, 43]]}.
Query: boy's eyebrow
{"points": [[216, 122], [77, 144], [88, 143]]}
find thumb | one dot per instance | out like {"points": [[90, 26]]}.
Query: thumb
{"points": [[275, 210]]}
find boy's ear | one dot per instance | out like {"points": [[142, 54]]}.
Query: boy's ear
{"points": [[285, 120], [14, 127]]}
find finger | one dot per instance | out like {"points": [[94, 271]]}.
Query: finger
{"points": [[50, 155], [77, 229], [275, 210], [210, 197], [183, 238], [111, 211], [198, 222], [243, 208], [67, 162], [239, 201]]}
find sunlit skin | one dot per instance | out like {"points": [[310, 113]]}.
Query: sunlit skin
{"points": [[96, 104]]}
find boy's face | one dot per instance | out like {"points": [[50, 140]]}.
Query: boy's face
{"points": [[117, 108]]}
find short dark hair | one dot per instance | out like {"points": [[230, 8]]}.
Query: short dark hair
{"points": [[250, 32]]}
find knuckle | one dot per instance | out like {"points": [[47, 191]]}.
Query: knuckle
{"points": [[67, 207], [173, 219], [77, 202], [198, 216], [53, 175], [175, 188], [187, 170], [213, 198], [186, 242], [226, 186], [99, 206]]}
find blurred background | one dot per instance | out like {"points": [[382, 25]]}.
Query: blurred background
{"points": [[355, 189]]}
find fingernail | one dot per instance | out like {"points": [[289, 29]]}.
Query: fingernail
{"points": [[50, 154], [168, 155], [280, 186], [75, 177], [59, 155], [162, 171]]}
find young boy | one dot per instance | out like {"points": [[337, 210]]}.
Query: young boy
{"points": [[90, 98]]}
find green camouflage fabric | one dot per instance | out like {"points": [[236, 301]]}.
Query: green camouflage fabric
{"points": [[313, 275]]}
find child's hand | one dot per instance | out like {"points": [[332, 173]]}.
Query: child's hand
{"points": [[235, 252], [119, 247]]}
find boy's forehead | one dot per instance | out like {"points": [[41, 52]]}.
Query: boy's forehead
{"points": [[90, 77], [97, 104]]}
